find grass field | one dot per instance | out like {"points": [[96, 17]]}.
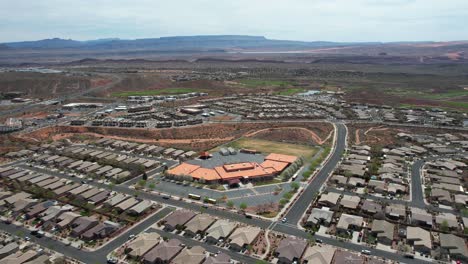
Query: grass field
{"points": [[259, 83], [156, 92], [291, 91], [266, 146]]}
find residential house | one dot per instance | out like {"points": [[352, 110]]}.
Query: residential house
{"points": [[290, 250], [350, 202], [163, 253], [419, 238], [395, 211], [100, 231], [376, 186], [220, 258], [384, 231], [354, 182], [140, 208], [35, 210], [447, 219], [371, 207], [198, 224], [329, 199], [349, 222], [319, 255], [8, 249], [243, 237], [116, 199], [339, 180], [346, 257], [65, 219], [420, 217], [441, 196], [220, 230], [142, 244], [454, 246], [194, 255], [127, 204], [177, 219], [82, 224], [320, 216]]}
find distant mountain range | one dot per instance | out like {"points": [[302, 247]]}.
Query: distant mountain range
{"points": [[173, 43], [227, 47]]}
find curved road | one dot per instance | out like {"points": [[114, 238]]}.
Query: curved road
{"points": [[300, 206]]}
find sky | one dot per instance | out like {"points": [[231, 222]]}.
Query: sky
{"points": [[307, 20]]}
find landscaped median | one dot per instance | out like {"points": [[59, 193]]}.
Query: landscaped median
{"points": [[315, 163]]}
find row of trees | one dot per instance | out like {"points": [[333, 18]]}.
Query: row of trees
{"points": [[292, 169]]}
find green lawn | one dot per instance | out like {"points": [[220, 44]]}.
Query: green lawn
{"points": [[266, 147], [457, 104], [291, 91], [259, 83], [447, 95], [156, 92]]}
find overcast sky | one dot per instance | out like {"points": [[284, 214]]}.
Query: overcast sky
{"points": [[308, 20]]}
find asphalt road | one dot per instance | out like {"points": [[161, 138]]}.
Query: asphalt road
{"points": [[300, 206], [417, 193]]}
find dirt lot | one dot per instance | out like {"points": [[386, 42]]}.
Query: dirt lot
{"points": [[202, 137], [270, 146], [372, 135], [38, 85]]}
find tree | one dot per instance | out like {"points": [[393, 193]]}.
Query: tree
{"points": [[152, 185], [444, 226], [142, 183], [295, 186], [283, 201], [230, 204], [243, 206]]}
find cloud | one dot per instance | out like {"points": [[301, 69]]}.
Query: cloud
{"points": [[334, 20]]}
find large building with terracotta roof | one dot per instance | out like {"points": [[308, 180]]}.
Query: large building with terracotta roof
{"points": [[272, 166]]}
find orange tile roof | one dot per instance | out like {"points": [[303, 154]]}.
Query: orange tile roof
{"points": [[183, 169], [207, 174], [257, 171], [281, 157], [276, 165], [239, 166]]}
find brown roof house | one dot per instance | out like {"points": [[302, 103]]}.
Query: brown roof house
{"points": [[319, 255], [420, 217], [82, 224], [194, 255], [243, 237], [346, 257], [383, 230], [371, 207], [198, 224], [221, 258], [177, 219], [100, 231], [320, 216], [220, 230], [349, 222], [142, 244], [163, 253], [290, 250], [419, 238], [454, 246]]}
